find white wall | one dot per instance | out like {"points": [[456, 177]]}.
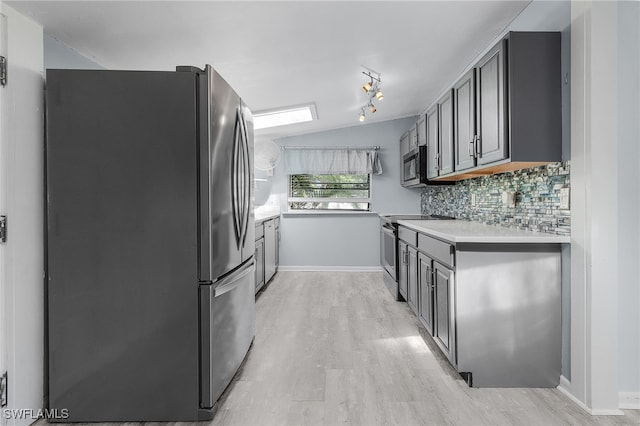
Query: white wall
{"points": [[341, 241], [604, 101], [629, 203], [21, 199], [59, 55]]}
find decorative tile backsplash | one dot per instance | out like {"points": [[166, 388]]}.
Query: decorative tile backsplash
{"points": [[537, 199]]}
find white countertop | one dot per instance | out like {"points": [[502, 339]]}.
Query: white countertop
{"points": [[462, 231], [262, 214]]}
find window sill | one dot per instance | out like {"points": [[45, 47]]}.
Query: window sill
{"points": [[327, 213]]}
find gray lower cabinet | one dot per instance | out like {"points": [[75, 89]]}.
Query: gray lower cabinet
{"points": [[492, 309], [259, 254], [425, 293], [277, 225], [412, 278], [403, 271], [267, 251], [270, 246], [444, 332], [259, 264]]}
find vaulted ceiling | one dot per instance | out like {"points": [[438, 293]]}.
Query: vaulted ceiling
{"points": [[288, 53]]}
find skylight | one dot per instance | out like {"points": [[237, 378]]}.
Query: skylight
{"points": [[284, 116]]}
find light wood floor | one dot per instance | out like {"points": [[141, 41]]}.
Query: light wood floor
{"points": [[335, 349]]}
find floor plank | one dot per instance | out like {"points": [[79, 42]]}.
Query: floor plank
{"points": [[333, 348]]}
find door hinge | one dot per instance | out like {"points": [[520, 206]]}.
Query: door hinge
{"points": [[3, 71], [3, 390], [3, 229]]}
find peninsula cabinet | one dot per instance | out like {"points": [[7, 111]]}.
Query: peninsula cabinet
{"points": [[489, 297], [403, 271]]}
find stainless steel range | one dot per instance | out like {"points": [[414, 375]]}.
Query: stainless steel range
{"points": [[389, 247]]}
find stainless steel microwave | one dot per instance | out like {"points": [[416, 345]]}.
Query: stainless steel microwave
{"points": [[414, 168]]}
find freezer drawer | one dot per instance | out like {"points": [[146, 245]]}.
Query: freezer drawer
{"points": [[227, 328]]}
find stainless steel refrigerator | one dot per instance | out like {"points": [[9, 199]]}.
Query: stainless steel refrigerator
{"points": [[150, 242]]}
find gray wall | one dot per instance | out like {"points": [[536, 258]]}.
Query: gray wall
{"points": [[59, 55], [629, 196], [347, 241]]}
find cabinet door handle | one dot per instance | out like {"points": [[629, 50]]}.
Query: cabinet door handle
{"points": [[472, 147], [437, 161], [477, 146]]}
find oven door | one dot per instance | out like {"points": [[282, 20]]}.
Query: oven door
{"points": [[388, 249]]}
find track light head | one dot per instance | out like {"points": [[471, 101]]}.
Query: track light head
{"points": [[367, 86], [379, 94], [361, 114], [372, 107]]}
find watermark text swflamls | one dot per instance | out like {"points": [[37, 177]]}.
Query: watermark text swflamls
{"points": [[31, 414]]}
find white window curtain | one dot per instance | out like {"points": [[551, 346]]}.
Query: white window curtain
{"points": [[331, 161]]}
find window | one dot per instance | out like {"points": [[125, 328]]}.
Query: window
{"points": [[330, 192]]}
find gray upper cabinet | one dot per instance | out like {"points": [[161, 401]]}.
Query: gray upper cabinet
{"points": [[431, 121], [490, 119], [464, 119], [413, 138], [421, 129], [445, 126], [505, 112], [404, 145]]}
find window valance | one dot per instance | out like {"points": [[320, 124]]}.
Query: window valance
{"points": [[322, 161]]}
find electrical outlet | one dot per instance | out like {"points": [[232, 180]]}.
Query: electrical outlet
{"points": [[508, 199], [3, 390], [564, 199]]}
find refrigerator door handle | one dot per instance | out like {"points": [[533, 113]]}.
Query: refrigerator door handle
{"points": [[237, 173], [246, 175], [232, 281]]}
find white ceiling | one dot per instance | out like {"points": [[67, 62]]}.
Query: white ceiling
{"points": [[288, 53]]}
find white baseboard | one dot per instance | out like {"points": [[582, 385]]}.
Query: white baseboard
{"points": [[286, 268], [629, 400], [607, 412], [565, 388]]}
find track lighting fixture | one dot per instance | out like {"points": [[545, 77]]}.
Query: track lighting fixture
{"points": [[372, 90]]}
